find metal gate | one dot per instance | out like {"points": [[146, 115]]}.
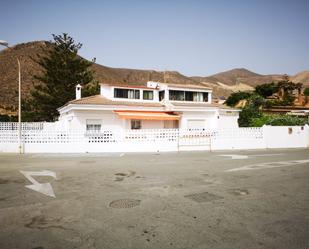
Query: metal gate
{"points": [[195, 138]]}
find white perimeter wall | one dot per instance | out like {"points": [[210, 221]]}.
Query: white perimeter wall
{"points": [[46, 139], [286, 136]]}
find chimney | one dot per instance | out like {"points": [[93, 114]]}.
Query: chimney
{"points": [[78, 91]]}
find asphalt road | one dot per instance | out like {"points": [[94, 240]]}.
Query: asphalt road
{"points": [[240, 199]]}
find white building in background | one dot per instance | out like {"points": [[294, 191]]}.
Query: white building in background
{"points": [[153, 106]]}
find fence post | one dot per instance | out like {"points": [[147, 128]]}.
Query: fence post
{"points": [[210, 138], [178, 133], [265, 135], [307, 134]]}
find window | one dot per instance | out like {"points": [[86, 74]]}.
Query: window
{"points": [[126, 93], [148, 95], [177, 95], [93, 125], [197, 97], [136, 124], [205, 97], [161, 95], [188, 96]]}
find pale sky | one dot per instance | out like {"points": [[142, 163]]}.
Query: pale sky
{"points": [[193, 37]]}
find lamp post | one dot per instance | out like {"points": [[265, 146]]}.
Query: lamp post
{"points": [[6, 44]]}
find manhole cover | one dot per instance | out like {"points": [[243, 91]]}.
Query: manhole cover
{"points": [[124, 203], [203, 197]]}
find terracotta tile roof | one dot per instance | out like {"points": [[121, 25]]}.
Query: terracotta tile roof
{"points": [[99, 100]]}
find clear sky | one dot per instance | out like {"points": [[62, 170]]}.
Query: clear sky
{"points": [[193, 37]]}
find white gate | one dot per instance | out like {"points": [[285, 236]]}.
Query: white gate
{"points": [[198, 139]]}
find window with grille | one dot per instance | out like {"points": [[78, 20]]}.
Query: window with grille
{"points": [[93, 125], [136, 124]]}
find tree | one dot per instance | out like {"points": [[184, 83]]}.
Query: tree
{"points": [[306, 93], [234, 98], [63, 69], [286, 87], [250, 111], [90, 89], [266, 90]]}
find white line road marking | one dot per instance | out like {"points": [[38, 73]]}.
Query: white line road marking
{"points": [[237, 157], [43, 188], [269, 165], [267, 155]]}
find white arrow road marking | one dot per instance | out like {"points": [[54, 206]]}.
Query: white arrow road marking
{"points": [[236, 156], [269, 165], [44, 188]]}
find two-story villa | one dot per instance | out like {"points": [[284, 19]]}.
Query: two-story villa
{"points": [[153, 106]]}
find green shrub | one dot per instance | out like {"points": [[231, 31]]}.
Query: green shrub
{"points": [[247, 114], [8, 118], [266, 90], [288, 100], [277, 120], [234, 98], [260, 121]]}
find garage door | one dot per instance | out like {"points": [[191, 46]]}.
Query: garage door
{"points": [[196, 124]]}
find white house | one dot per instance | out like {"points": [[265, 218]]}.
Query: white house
{"points": [[153, 106]]}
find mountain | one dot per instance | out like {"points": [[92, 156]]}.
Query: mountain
{"points": [[223, 83], [27, 53], [302, 77], [239, 76]]}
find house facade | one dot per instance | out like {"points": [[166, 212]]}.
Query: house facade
{"points": [[153, 106]]}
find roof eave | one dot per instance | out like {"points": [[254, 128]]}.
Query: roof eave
{"points": [[109, 107]]}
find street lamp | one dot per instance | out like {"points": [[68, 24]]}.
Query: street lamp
{"points": [[6, 44]]}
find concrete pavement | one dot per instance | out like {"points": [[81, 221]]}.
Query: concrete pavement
{"points": [[239, 199]]}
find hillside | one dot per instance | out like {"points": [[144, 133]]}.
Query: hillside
{"points": [[239, 76], [302, 77], [27, 53], [223, 83]]}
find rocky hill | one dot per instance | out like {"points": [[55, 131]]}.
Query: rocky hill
{"points": [[222, 83]]}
